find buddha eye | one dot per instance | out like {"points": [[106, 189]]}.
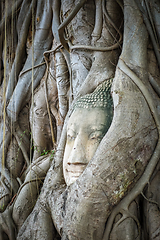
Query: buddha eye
{"points": [[70, 138], [96, 135], [71, 135]]}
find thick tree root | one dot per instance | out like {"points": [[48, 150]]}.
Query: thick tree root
{"points": [[7, 225], [67, 21], [150, 28], [96, 31], [96, 34], [20, 52], [154, 84], [9, 14], [23, 149], [45, 90], [111, 22], [123, 206]]}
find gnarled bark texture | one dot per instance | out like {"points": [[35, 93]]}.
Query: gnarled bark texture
{"points": [[52, 53]]}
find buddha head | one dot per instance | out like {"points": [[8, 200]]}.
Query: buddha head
{"points": [[89, 122]]}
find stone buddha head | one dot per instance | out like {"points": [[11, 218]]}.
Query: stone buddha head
{"points": [[86, 127]]}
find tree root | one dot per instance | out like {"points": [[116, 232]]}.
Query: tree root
{"points": [[120, 2], [93, 48], [151, 30], [42, 41], [154, 84], [30, 181], [125, 215], [100, 49], [3, 146], [96, 34], [151, 20], [35, 164], [30, 69], [111, 22], [17, 132], [149, 200], [46, 94], [59, 46], [145, 178], [20, 52], [62, 79], [67, 21], [13, 184], [23, 149], [7, 225], [9, 14]]}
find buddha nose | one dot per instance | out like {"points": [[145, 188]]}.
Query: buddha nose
{"points": [[78, 155]]}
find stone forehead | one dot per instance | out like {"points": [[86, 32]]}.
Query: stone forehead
{"points": [[101, 97]]}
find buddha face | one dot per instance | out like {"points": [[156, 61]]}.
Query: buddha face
{"points": [[86, 128]]}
